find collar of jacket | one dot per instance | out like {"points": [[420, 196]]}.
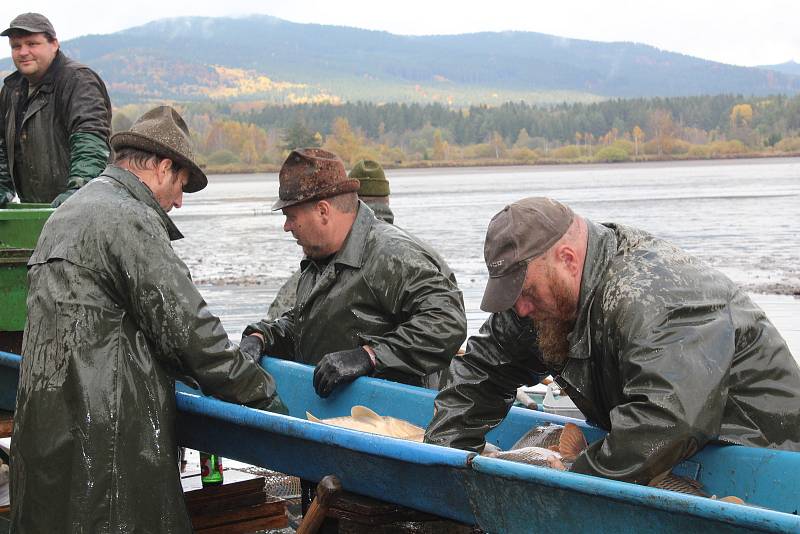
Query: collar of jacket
{"points": [[15, 79], [601, 247], [352, 252], [142, 193]]}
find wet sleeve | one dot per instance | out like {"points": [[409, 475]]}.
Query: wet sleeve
{"points": [[88, 157], [427, 307], [673, 362], [278, 335], [180, 331], [481, 385], [88, 112]]}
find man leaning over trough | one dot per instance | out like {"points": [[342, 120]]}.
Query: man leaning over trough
{"points": [[113, 321], [657, 348], [371, 300]]}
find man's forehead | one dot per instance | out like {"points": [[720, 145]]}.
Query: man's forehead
{"points": [[27, 37]]}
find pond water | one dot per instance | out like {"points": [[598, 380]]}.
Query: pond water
{"points": [[740, 216]]}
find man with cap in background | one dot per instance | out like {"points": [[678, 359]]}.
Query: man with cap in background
{"points": [[373, 190], [55, 118], [657, 348], [372, 299], [113, 321]]}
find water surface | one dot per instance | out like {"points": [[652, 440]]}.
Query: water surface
{"points": [[740, 216]]}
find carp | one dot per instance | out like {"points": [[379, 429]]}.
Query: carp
{"points": [[557, 446], [363, 419]]}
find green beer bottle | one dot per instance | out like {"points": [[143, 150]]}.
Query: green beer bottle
{"points": [[210, 469]]}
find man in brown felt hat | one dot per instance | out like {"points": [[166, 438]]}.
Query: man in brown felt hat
{"points": [[657, 348], [373, 190], [371, 300], [55, 118], [113, 321]]}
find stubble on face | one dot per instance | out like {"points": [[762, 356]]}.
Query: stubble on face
{"points": [[306, 231]]}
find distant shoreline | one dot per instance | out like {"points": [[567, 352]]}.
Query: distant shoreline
{"points": [[427, 164]]}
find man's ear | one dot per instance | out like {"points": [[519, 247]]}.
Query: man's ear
{"points": [[162, 169], [323, 208], [568, 257]]}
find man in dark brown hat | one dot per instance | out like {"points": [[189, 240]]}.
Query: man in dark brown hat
{"points": [[373, 190], [55, 118], [662, 351], [371, 300], [113, 321]]}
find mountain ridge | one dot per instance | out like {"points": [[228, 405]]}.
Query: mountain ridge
{"points": [[267, 58]]}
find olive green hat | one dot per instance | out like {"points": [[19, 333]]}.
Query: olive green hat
{"points": [[373, 180], [163, 132]]}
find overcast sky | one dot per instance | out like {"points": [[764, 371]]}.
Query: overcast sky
{"points": [[739, 32]]}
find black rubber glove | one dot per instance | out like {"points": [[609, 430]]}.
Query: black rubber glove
{"points": [[62, 197], [251, 347], [339, 368]]}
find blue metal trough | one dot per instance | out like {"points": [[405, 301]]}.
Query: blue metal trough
{"points": [[497, 495]]}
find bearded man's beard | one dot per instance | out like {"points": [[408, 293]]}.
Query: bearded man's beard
{"points": [[551, 333]]}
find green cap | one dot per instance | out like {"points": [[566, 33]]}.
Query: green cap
{"points": [[373, 180]]}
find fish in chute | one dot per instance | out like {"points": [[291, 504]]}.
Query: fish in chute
{"points": [[365, 420]]}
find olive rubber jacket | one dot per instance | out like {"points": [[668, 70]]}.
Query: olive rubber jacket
{"points": [[384, 288], [61, 141], [113, 321], [666, 354], [287, 294]]}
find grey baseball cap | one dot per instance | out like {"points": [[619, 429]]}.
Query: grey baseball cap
{"points": [[30, 22], [521, 232]]}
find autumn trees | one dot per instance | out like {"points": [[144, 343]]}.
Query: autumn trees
{"points": [[255, 136]]}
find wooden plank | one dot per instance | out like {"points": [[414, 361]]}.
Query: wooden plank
{"points": [[247, 527], [242, 514], [233, 493]]}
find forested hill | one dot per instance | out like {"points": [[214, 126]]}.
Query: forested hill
{"points": [[265, 58], [790, 67]]}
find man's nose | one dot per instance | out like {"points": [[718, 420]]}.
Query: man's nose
{"points": [[178, 201], [286, 226], [523, 307]]}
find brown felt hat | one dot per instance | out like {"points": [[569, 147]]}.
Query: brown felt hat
{"points": [[521, 232], [312, 174], [32, 23], [163, 132]]}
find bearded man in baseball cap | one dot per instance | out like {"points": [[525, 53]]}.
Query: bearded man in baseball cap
{"points": [[651, 344]]}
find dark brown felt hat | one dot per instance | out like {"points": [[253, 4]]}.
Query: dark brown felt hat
{"points": [[312, 174], [163, 132], [521, 232]]}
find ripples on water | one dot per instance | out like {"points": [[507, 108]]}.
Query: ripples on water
{"points": [[741, 216]]}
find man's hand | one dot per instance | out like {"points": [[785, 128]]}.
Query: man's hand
{"points": [[251, 347], [62, 197], [341, 367]]}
